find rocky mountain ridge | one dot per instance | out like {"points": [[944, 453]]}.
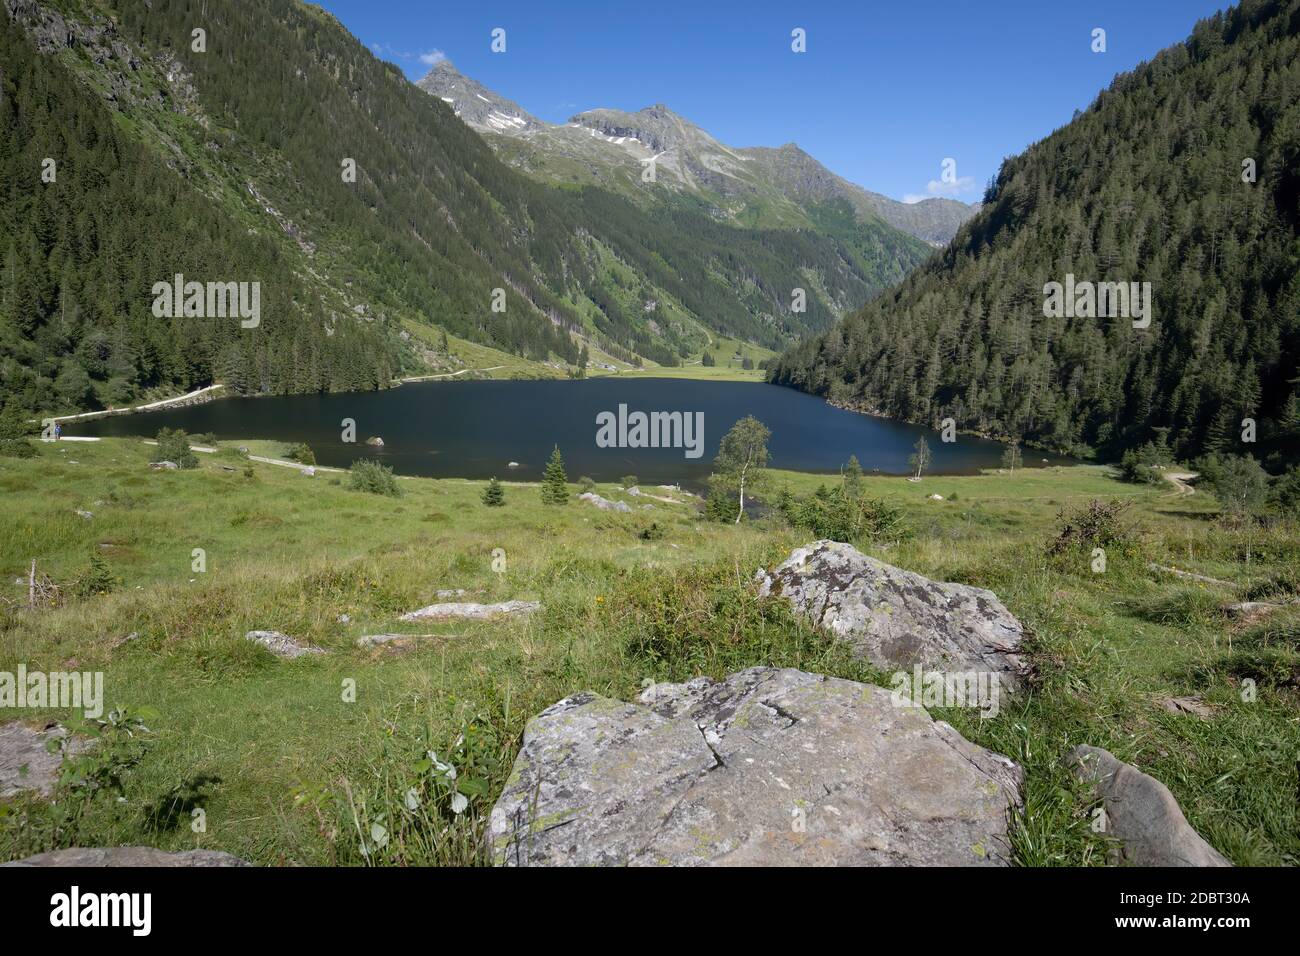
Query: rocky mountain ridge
{"points": [[765, 186]]}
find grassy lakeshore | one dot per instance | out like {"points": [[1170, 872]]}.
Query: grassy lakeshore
{"points": [[471, 360], [288, 771]]}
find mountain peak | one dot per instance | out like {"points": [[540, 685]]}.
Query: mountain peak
{"points": [[476, 104]]}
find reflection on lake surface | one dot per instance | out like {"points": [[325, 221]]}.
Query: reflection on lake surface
{"points": [[474, 429]]}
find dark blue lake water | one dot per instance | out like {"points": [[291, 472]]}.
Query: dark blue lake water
{"points": [[474, 429]]}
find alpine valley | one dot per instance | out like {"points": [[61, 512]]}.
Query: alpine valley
{"points": [[388, 237]]}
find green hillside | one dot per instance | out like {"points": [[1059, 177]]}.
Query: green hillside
{"points": [[233, 162], [1145, 186]]}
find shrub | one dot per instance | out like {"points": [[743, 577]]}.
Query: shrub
{"points": [[651, 533], [421, 800], [174, 445], [1143, 465], [1098, 524], [372, 477], [628, 481], [13, 436], [720, 505], [1286, 491], [91, 784], [587, 483], [841, 516], [1238, 481], [96, 579], [302, 454]]}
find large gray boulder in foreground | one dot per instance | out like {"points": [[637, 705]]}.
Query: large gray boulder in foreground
{"points": [[769, 767], [897, 619], [129, 856], [1141, 813]]}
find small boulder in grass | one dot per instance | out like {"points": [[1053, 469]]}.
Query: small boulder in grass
{"points": [[470, 611], [1191, 706], [282, 645], [604, 504], [1141, 813]]}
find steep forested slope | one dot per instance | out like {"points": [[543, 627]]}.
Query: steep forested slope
{"points": [[91, 218], [1145, 186], [227, 162]]}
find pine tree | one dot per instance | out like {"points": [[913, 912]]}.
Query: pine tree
{"points": [[555, 482], [494, 496]]}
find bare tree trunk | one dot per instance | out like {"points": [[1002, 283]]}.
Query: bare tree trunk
{"points": [[741, 512], [31, 586]]}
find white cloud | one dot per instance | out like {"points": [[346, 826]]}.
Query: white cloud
{"points": [[430, 58], [934, 188]]}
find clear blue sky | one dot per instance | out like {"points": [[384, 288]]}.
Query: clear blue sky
{"points": [[884, 93]]}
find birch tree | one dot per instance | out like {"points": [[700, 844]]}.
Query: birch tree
{"points": [[742, 458]]}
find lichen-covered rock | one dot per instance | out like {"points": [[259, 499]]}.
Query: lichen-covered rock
{"points": [[469, 610], [282, 645], [769, 767], [129, 856], [1141, 813], [898, 619], [26, 764]]}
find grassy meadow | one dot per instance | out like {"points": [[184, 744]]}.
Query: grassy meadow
{"points": [[338, 758]]}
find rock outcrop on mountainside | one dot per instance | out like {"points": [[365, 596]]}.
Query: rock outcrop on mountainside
{"points": [[609, 147]]}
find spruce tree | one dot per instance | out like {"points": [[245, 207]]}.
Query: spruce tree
{"points": [[494, 495], [555, 482], [853, 479]]}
